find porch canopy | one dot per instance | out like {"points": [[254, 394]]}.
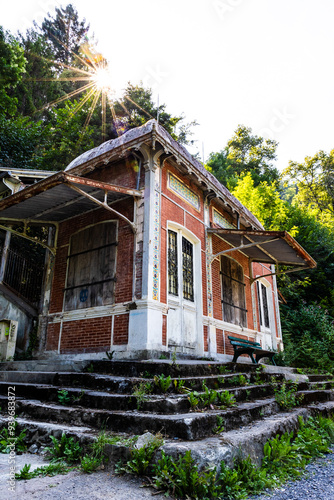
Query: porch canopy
{"points": [[267, 247], [58, 198]]}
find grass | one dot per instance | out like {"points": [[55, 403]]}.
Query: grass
{"points": [[285, 457]]}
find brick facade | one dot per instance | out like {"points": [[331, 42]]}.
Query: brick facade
{"points": [[100, 329]]}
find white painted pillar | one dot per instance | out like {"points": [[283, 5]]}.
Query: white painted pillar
{"points": [[4, 256], [145, 325]]}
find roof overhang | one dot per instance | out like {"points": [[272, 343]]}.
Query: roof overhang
{"points": [[60, 197], [266, 247]]}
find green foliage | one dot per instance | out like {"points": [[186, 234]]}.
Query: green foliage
{"points": [[10, 437], [140, 107], [210, 398], [63, 397], [141, 391], [52, 469], [286, 395], [26, 473], [110, 355], [12, 64], [315, 183], [89, 463], [66, 448], [140, 458], [22, 143], [182, 478], [220, 425], [245, 154], [225, 399], [222, 369], [179, 386], [162, 383], [281, 459], [64, 33], [308, 337]]}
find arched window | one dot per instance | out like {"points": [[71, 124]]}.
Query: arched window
{"points": [[91, 267], [233, 292]]}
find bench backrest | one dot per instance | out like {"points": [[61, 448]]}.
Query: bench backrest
{"points": [[250, 343]]}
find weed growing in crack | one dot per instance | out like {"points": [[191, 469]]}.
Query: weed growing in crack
{"points": [[141, 458], [67, 449], [162, 383], [7, 440], [286, 395]]}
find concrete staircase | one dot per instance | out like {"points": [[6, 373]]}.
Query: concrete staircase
{"points": [[104, 395]]}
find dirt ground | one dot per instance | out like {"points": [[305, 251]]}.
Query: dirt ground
{"points": [[75, 485]]}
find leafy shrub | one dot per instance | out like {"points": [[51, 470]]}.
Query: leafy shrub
{"points": [[308, 333], [7, 439], [286, 396], [182, 479], [65, 448], [162, 383], [140, 458]]}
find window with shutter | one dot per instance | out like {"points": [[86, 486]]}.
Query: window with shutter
{"points": [[233, 292], [91, 267]]}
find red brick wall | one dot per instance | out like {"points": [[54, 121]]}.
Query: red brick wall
{"points": [[164, 329], [87, 335], [206, 338], [178, 210], [220, 341], [53, 337], [121, 329]]}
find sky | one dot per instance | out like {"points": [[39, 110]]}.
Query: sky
{"points": [[265, 64]]}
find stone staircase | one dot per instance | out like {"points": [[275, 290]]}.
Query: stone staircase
{"points": [[110, 395]]}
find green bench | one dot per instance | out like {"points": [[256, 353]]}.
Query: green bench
{"points": [[251, 348]]}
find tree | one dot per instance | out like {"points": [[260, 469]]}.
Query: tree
{"points": [[315, 182], [22, 143], [245, 153], [64, 33], [39, 85], [136, 107], [12, 67]]}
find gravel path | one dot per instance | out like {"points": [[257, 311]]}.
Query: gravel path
{"points": [[316, 484], [73, 486]]}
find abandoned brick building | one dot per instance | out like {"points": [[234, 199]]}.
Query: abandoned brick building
{"points": [[147, 252]]}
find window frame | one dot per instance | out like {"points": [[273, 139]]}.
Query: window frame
{"points": [[76, 264], [233, 314], [180, 278]]}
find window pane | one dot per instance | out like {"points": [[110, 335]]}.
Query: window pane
{"points": [[91, 267], [265, 306], [234, 303], [172, 263], [188, 273]]}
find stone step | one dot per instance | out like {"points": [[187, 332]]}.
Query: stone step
{"points": [[321, 378], [189, 426], [162, 404], [126, 385], [246, 440]]}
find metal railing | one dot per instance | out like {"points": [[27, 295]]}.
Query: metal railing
{"points": [[24, 277]]}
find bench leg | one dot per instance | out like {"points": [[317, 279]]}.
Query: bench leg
{"points": [[238, 353], [260, 356]]}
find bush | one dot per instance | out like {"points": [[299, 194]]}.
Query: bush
{"points": [[308, 334]]}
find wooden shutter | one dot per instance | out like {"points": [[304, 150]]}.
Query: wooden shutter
{"points": [[233, 288], [91, 267]]}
